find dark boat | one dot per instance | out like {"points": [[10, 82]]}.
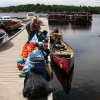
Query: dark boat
{"points": [[62, 54], [54, 34], [64, 79], [2, 35], [12, 25]]}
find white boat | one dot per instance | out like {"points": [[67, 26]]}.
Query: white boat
{"points": [[2, 35], [9, 23], [5, 18], [30, 15]]}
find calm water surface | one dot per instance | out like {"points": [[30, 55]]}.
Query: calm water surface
{"points": [[85, 41]]}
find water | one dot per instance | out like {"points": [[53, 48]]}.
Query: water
{"points": [[85, 41]]}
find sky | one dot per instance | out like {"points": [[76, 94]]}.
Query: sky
{"points": [[92, 3]]}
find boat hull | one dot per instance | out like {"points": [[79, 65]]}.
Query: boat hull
{"points": [[64, 79], [1, 39], [2, 35], [62, 54], [13, 27], [65, 64], [54, 37], [55, 34]]}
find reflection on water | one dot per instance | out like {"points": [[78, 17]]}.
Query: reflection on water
{"points": [[64, 79], [80, 26], [70, 25], [85, 41], [58, 23], [61, 25]]}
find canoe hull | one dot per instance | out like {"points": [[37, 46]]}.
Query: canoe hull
{"points": [[54, 37], [62, 54], [64, 79], [55, 34], [65, 64]]}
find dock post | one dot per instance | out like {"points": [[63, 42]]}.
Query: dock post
{"points": [[65, 15], [87, 16], [53, 14], [75, 15], [50, 96]]}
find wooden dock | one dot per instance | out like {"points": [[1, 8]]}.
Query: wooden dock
{"points": [[69, 17], [11, 84]]}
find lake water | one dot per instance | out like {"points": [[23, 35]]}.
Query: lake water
{"points": [[85, 41]]}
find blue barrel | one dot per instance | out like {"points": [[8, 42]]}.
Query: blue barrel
{"points": [[40, 67]]}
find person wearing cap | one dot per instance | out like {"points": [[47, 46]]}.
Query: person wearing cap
{"points": [[32, 27]]}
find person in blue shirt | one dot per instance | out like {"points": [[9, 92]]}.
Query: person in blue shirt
{"points": [[32, 27]]}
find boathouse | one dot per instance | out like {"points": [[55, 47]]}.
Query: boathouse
{"points": [[69, 16]]}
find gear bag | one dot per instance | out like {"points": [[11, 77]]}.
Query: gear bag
{"points": [[35, 86], [27, 49]]}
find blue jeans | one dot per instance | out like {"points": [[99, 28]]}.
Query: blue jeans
{"points": [[28, 31]]}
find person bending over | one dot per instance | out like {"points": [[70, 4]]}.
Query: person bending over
{"points": [[32, 27]]}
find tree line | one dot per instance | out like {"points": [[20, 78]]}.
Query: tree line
{"points": [[41, 8]]}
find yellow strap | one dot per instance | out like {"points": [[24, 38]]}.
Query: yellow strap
{"points": [[48, 70]]}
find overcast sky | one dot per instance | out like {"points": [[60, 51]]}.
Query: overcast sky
{"points": [[93, 3]]}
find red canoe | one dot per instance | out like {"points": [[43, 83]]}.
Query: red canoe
{"points": [[62, 54], [54, 34]]}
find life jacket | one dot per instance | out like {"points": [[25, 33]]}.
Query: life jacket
{"points": [[60, 63], [27, 49]]}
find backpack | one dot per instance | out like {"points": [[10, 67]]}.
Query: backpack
{"points": [[27, 49], [42, 36]]}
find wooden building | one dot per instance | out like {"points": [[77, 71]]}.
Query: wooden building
{"points": [[67, 17]]}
